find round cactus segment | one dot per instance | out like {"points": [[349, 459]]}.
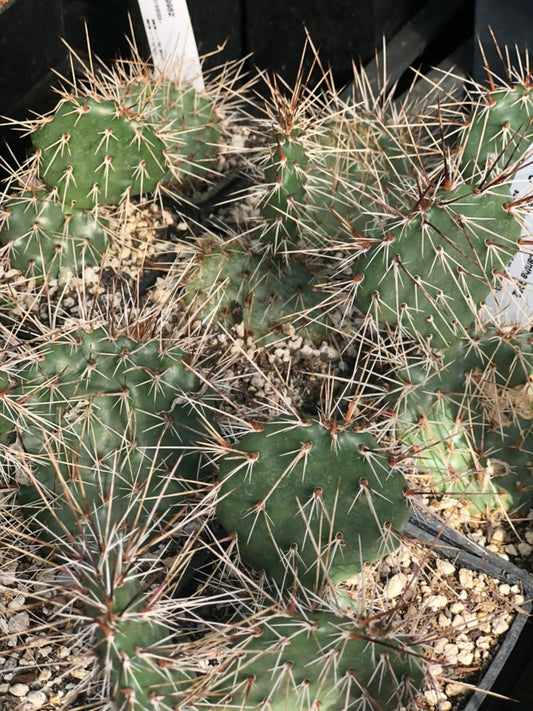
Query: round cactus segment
{"points": [[185, 120], [432, 274], [271, 300], [93, 153], [45, 241], [129, 643], [498, 132], [322, 661], [470, 424], [107, 437], [308, 502]]}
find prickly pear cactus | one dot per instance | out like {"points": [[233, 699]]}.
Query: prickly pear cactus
{"points": [[103, 429], [431, 274], [498, 131], [311, 502], [45, 241], [91, 152], [321, 661], [130, 642], [185, 120], [321, 171], [273, 301], [470, 422]]}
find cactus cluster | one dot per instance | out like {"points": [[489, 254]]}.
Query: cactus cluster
{"points": [[365, 232], [109, 140], [460, 316]]}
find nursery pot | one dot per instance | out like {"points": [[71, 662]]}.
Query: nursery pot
{"points": [[502, 686]]}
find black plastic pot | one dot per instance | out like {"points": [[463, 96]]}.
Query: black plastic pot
{"points": [[33, 51], [502, 677], [30, 47]]}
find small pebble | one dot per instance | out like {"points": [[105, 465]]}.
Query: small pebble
{"points": [[499, 625], [483, 642], [433, 696], [436, 602], [18, 623], [454, 689], [498, 535], [17, 603], [440, 644], [395, 585], [445, 567], [456, 607], [466, 578], [465, 657], [525, 549], [36, 699], [19, 690], [444, 620]]}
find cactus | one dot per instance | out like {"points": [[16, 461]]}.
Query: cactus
{"points": [[321, 660], [320, 167], [108, 428], [497, 132], [230, 285], [130, 636], [469, 421], [100, 419], [431, 274], [92, 153], [45, 241], [311, 501], [109, 467], [331, 160], [185, 120]]}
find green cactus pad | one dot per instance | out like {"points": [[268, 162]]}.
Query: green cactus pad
{"points": [[321, 661], [45, 241], [186, 122], [322, 183], [498, 132], [93, 153], [431, 275], [273, 301], [129, 645], [307, 502], [101, 423], [470, 423]]}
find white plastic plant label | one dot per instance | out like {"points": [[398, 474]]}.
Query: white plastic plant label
{"points": [[511, 302], [171, 39]]}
